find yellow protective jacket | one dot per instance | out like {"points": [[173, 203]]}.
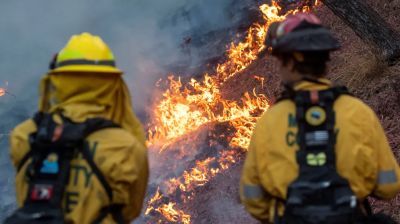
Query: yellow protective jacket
{"points": [[364, 156], [119, 153]]}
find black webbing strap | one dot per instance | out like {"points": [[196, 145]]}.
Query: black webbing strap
{"points": [[37, 119], [85, 62], [319, 194], [290, 94], [91, 126], [326, 100], [24, 160], [367, 206], [73, 136], [41, 177], [89, 159], [114, 210]]}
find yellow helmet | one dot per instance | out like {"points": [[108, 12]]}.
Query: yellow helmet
{"points": [[85, 53]]}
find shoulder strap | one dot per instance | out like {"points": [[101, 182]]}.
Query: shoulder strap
{"points": [[90, 126], [319, 136], [289, 94], [71, 131], [37, 118], [114, 210], [79, 131], [319, 192], [72, 135]]}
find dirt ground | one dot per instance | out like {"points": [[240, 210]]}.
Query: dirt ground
{"points": [[355, 66]]}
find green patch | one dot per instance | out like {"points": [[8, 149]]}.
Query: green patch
{"points": [[316, 159]]}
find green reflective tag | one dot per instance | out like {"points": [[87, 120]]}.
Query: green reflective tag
{"points": [[316, 159]]}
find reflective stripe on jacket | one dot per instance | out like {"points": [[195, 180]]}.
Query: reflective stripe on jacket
{"points": [[364, 156]]}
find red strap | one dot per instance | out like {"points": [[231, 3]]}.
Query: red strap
{"points": [[57, 133], [314, 94]]}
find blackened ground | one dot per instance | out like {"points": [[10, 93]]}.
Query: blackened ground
{"points": [[355, 66], [219, 201]]}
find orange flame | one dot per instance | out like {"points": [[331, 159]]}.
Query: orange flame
{"points": [[184, 108], [173, 215], [167, 210], [3, 91]]}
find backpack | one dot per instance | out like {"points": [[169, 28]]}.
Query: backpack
{"points": [[52, 147], [319, 194]]}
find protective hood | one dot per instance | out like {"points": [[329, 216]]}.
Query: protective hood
{"points": [[83, 95]]}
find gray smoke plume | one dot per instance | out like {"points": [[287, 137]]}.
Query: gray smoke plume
{"points": [[148, 37]]}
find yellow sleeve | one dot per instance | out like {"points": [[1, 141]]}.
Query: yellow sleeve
{"points": [[388, 179], [252, 193], [128, 179], [19, 147], [138, 190], [19, 143]]}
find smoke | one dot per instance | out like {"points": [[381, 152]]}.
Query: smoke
{"points": [[147, 37]]}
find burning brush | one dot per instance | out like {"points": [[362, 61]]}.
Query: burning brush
{"points": [[187, 108], [3, 91], [291, 5]]}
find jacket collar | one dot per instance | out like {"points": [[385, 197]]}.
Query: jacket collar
{"points": [[321, 84]]}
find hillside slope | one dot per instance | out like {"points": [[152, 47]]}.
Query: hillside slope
{"points": [[355, 66]]}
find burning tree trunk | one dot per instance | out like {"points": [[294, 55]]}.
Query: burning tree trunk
{"points": [[369, 26]]}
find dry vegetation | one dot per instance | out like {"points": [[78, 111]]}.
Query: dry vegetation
{"points": [[355, 66]]}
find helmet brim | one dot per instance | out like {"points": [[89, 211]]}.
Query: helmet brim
{"points": [[88, 68], [306, 40]]}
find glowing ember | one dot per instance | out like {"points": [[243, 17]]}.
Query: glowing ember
{"points": [[2, 91], [167, 210], [173, 215], [185, 108]]}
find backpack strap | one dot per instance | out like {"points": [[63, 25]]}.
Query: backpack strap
{"points": [[316, 120], [319, 193], [313, 109], [91, 126], [37, 119], [48, 173], [114, 210], [68, 141], [289, 93]]}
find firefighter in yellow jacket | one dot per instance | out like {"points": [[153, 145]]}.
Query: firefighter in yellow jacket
{"points": [[318, 153], [82, 84]]}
